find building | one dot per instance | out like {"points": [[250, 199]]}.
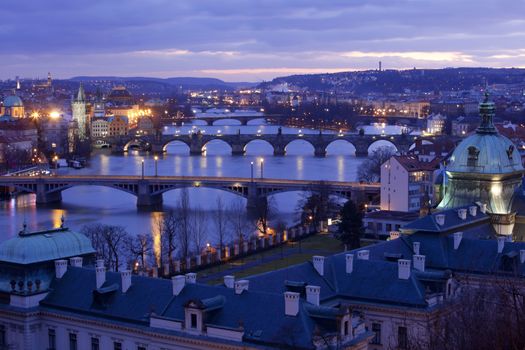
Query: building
{"points": [[12, 108], [120, 96], [485, 167], [405, 181], [99, 128], [117, 126], [436, 124], [57, 299], [99, 106], [78, 107], [145, 126], [463, 126], [53, 134]]}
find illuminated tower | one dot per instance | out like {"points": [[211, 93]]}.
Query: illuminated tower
{"points": [[49, 81], [78, 107], [485, 168]]}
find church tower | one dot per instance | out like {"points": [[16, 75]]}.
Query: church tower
{"points": [[485, 168], [78, 107]]}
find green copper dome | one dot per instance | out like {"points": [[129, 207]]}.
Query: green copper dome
{"points": [[13, 101], [29, 248], [486, 151]]}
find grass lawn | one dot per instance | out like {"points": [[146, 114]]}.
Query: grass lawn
{"points": [[276, 258]]}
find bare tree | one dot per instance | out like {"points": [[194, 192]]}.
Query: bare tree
{"points": [[238, 220], [265, 210], [219, 218], [167, 229], [199, 228], [184, 221], [140, 248], [317, 205], [370, 169], [110, 243]]}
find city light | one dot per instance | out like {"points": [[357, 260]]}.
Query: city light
{"points": [[54, 115]]}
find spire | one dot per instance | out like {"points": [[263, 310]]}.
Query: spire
{"points": [[81, 96], [486, 112]]}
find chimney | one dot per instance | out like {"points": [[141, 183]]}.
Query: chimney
{"points": [[349, 263], [125, 277], [363, 254], [60, 268], [403, 269], [415, 247], [241, 285], [76, 261], [191, 278], [312, 294], [473, 210], [457, 239], [462, 213], [483, 208], [291, 303], [318, 262], [440, 219], [522, 256], [394, 235], [99, 263], [100, 275], [501, 244], [229, 280], [419, 262], [177, 284]]}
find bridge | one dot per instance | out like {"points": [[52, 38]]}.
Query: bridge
{"points": [[149, 189], [197, 141], [210, 118]]}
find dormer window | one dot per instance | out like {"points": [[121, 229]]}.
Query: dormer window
{"points": [[473, 154], [510, 151], [193, 323]]}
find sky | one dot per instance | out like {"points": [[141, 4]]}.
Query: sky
{"points": [[255, 40]]}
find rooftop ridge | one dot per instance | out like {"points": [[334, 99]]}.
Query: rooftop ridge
{"points": [[23, 233]]}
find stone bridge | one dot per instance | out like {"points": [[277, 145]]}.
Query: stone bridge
{"points": [[197, 142], [149, 189]]}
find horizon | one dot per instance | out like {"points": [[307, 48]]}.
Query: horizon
{"points": [[256, 41]]}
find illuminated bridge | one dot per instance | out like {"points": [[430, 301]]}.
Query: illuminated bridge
{"points": [[197, 142], [149, 189]]}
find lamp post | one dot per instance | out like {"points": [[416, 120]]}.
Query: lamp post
{"points": [[156, 161], [251, 165], [262, 167], [142, 169]]}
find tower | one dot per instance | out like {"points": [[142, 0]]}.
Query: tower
{"points": [[485, 168], [78, 107], [49, 80]]}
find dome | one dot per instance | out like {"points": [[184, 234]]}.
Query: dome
{"points": [[13, 101], [486, 151], [485, 154], [29, 248]]}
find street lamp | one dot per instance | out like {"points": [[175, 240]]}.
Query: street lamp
{"points": [[156, 161], [142, 169], [251, 165], [262, 167]]}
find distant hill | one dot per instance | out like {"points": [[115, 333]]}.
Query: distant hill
{"points": [[398, 81], [185, 82]]}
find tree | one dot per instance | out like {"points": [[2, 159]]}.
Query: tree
{"points": [[351, 227], [184, 223], [199, 229], [264, 211], [238, 220], [167, 229], [317, 206], [370, 169], [219, 218], [139, 248], [109, 242]]}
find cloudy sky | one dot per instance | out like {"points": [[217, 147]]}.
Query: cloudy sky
{"points": [[254, 40]]}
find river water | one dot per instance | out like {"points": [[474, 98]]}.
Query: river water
{"points": [[90, 204]]}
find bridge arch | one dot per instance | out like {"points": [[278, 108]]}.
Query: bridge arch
{"points": [[290, 147], [239, 190], [341, 147], [217, 146], [226, 121], [135, 143], [175, 143], [382, 142], [265, 147]]}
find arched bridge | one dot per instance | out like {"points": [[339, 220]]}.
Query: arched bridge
{"points": [[197, 141], [149, 189]]}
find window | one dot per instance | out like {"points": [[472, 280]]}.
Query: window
{"points": [[193, 321], [402, 338], [346, 328], [141, 348], [473, 154], [52, 339], [72, 341], [117, 345], [95, 343], [376, 328]]}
